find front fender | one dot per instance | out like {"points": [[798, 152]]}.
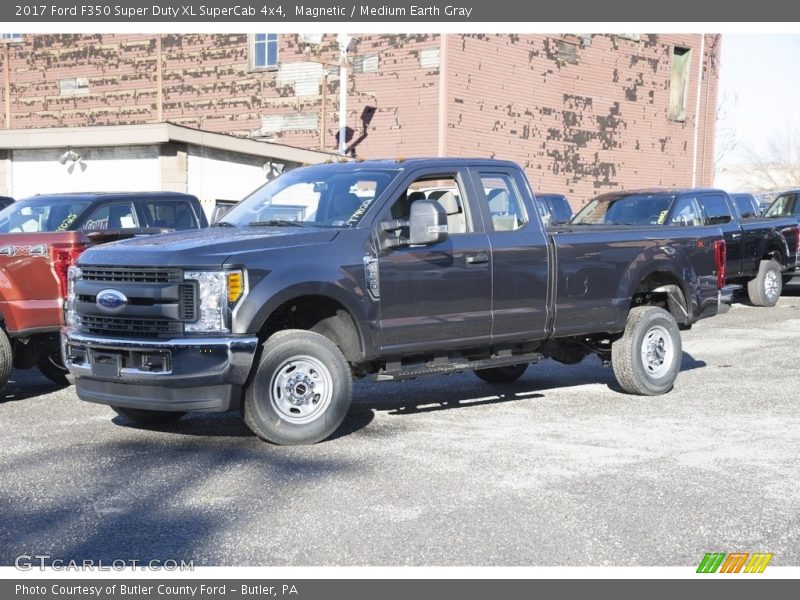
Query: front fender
{"points": [[343, 285]]}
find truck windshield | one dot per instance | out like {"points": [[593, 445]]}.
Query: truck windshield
{"points": [[35, 215], [620, 209], [329, 195], [785, 205]]}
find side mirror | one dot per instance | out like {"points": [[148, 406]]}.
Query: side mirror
{"points": [[428, 223]]}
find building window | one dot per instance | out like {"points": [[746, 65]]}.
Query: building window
{"points": [[11, 38], [679, 84], [264, 51]]}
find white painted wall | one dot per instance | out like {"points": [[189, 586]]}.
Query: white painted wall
{"points": [[218, 174], [122, 169]]}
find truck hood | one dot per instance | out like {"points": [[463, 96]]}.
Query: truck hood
{"points": [[211, 247]]}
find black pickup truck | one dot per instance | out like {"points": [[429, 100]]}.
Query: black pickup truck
{"points": [[354, 269], [786, 206], [761, 251]]}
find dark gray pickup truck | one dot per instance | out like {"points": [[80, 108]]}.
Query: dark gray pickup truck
{"points": [[760, 250], [386, 269]]}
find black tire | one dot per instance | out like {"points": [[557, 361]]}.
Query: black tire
{"points": [[147, 417], [301, 390], [508, 374], [765, 288], [647, 358], [52, 367], [6, 358]]}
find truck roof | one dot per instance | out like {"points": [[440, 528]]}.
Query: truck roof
{"points": [[662, 191], [405, 163], [93, 196]]}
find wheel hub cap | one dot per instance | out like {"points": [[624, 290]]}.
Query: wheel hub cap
{"points": [[301, 389], [771, 285], [657, 351]]}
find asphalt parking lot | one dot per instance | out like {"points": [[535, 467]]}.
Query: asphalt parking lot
{"points": [[558, 469]]}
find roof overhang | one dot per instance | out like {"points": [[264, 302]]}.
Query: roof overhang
{"points": [[152, 133]]}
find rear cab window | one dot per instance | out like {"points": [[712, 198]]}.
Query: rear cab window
{"points": [[716, 209], [505, 205], [171, 214]]}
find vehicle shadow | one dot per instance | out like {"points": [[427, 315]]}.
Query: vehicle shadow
{"points": [[26, 383]]}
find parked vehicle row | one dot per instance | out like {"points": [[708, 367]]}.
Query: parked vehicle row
{"points": [[760, 251], [382, 269], [41, 237]]}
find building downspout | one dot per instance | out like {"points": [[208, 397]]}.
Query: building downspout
{"points": [[697, 106], [442, 137], [159, 81], [7, 85]]}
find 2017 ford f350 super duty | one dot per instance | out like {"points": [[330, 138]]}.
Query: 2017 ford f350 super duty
{"points": [[387, 269]]}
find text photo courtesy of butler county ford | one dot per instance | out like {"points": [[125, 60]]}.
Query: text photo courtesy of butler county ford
{"points": [[399, 299]]}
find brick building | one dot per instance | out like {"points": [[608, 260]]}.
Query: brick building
{"points": [[583, 114]]}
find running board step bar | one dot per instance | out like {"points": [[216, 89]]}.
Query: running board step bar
{"points": [[444, 366]]}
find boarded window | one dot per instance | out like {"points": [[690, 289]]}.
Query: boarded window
{"points": [[679, 84], [567, 52], [365, 64]]}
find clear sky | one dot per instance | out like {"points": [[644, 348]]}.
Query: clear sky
{"points": [[759, 92]]}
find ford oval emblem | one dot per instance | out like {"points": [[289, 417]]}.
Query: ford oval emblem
{"points": [[111, 300]]}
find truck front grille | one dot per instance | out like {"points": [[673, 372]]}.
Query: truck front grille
{"points": [[132, 274], [134, 328]]}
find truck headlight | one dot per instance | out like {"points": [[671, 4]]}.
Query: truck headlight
{"points": [[71, 317], [217, 294]]}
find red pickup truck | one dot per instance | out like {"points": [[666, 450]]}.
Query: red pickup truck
{"points": [[41, 236]]}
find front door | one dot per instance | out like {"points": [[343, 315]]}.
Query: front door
{"points": [[436, 296]]}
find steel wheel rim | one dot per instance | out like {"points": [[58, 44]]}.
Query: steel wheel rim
{"points": [[771, 285], [301, 389], [657, 351]]}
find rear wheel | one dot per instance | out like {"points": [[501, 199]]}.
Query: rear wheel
{"points": [[147, 417], [301, 390], [53, 368], [508, 374], [6, 358], [647, 358], [765, 288]]}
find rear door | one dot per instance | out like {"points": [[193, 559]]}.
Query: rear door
{"points": [[519, 255], [436, 296], [719, 212]]}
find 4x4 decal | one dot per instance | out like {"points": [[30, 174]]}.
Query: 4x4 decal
{"points": [[38, 250]]}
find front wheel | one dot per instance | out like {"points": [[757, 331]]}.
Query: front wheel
{"points": [[765, 288], [6, 358], [508, 374], [301, 390], [647, 358]]}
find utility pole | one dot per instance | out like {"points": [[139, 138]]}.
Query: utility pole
{"points": [[344, 43]]}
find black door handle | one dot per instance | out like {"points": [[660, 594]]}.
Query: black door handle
{"points": [[481, 258]]}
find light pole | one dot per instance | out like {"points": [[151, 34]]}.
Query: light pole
{"points": [[346, 44]]}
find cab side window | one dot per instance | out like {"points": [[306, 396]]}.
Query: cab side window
{"points": [[686, 212], [111, 216], [444, 190], [505, 205]]}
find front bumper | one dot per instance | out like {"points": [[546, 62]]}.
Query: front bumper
{"points": [[184, 374]]}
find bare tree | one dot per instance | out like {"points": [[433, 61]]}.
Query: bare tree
{"points": [[777, 167], [725, 142]]}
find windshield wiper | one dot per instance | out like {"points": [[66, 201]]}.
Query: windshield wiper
{"points": [[276, 223], [222, 224]]}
